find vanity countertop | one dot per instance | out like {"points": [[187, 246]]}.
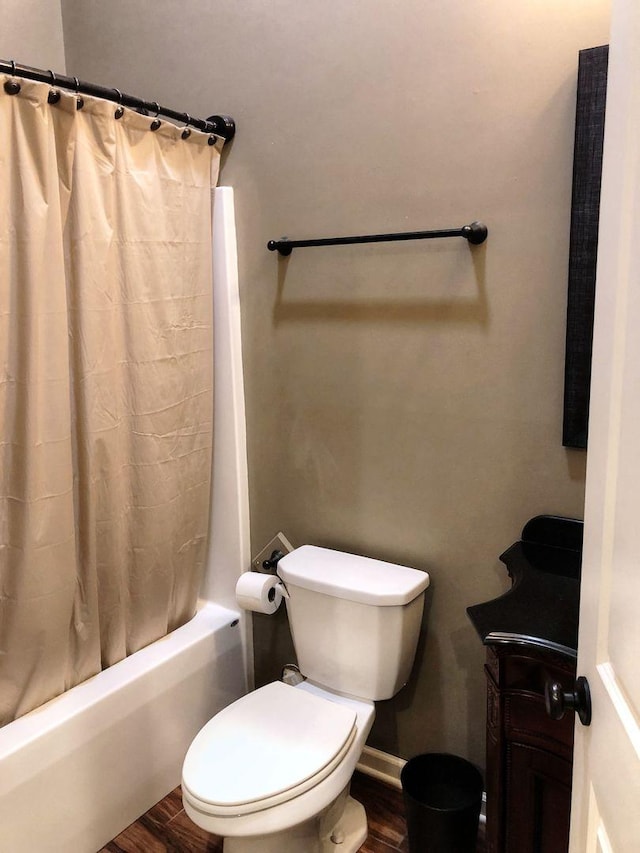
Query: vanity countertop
{"points": [[541, 608]]}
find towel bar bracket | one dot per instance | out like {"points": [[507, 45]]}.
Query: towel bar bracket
{"points": [[475, 233]]}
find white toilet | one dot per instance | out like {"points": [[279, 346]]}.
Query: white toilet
{"points": [[271, 772]]}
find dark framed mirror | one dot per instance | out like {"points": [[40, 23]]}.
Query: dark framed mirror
{"points": [[583, 247]]}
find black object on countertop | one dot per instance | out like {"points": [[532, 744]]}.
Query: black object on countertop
{"points": [[542, 606]]}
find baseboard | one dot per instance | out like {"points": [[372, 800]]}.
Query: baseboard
{"points": [[387, 768], [380, 765]]}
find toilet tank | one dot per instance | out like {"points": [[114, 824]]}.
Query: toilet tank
{"points": [[355, 621]]}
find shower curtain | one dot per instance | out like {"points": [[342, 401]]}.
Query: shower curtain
{"points": [[105, 386]]}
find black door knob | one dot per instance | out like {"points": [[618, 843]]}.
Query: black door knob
{"points": [[559, 701]]}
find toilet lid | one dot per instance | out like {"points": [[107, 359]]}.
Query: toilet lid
{"points": [[265, 748]]}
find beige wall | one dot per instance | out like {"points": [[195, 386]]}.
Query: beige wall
{"points": [[31, 33], [404, 400]]}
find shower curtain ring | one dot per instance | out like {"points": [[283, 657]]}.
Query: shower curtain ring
{"points": [[120, 109], [155, 124], [186, 133], [79, 100], [54, 96], [12, 87]]}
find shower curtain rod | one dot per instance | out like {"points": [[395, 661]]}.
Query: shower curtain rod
{"points": [[475, 233], [223, 126]]}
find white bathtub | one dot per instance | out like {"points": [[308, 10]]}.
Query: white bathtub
{"points": [[75, 772]]}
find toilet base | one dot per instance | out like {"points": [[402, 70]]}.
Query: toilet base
{"points": [[341, 828]]}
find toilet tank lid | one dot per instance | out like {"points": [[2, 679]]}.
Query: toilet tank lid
{"points": [[350, 577]]}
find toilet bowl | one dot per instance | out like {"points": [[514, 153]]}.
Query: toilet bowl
{"points": [[271, 772], [302, 744]]}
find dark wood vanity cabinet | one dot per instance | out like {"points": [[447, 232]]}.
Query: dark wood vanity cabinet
{"points": [[531, 637], [529, 755]]}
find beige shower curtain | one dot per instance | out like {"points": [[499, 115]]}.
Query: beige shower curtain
{"points": [[105, 386]]}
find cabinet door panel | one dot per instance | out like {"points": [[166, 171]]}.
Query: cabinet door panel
{"points": [[538, 801], [527, 722]]}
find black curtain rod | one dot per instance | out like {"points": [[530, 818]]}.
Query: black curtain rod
{"points": [[475, 233], [219, 125]]}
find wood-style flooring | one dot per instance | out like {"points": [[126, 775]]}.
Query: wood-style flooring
{"points": [[165, 828]]}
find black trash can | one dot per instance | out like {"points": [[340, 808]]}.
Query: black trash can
{"points": [[442, 797]]}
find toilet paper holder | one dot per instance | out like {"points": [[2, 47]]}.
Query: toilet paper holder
{"points": [[271, 563]]}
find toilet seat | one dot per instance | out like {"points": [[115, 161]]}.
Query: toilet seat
{"points": [[289, 739]]}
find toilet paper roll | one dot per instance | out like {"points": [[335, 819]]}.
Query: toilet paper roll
{"points": [[258, 592]]}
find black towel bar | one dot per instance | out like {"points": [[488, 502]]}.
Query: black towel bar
{"points": [[475, 233]]}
